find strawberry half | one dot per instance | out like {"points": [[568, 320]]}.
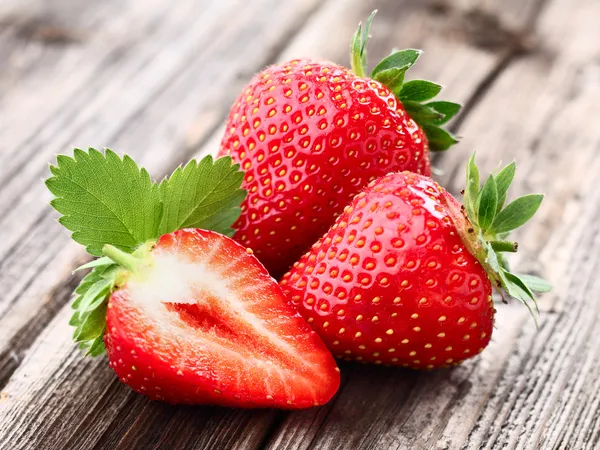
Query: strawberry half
{"points": [[197, 319], [405, 276], [187, 315], [311, 134]]}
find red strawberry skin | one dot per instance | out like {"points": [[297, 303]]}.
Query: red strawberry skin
{"points": [[392, 283], [309, 136], [206, 324]]}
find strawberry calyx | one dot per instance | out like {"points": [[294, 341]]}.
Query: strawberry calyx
{"points": [[483, 224], [130, 263], [114, 208], [109, 273], [412, 94]]}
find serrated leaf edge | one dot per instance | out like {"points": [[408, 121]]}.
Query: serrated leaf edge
{"points": [[391, 71], [92, 293]]}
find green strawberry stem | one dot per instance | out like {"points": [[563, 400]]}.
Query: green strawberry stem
{"points": [[133, 263], [123, 259], [482, 224], [412, 94], [504, 246]]}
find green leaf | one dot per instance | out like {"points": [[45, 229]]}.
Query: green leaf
{"points": [[517, 213], [98, 262], [504, 246], [203, 194], [404, 59], [104, 199], [503, 180], [89, 316], [503, 261], [358, 48], [355, 53], [491, 257], [92, 324], [471, 189], [391, 72], [418, 91], [447, 110], [97, 274], [516, 291], [438, 138], [86, 283], [365, 38], [97, 346], [94, 296], [421, 113], [392, 78], [513, 280], [74, 320], [536, 284], [486, 204], [223, 221]]}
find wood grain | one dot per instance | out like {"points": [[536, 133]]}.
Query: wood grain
{"points": [[156, 83]]}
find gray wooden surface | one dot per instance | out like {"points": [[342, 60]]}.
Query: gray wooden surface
{"points": [[155, 79]]}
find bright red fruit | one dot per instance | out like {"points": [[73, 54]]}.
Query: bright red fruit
{"points": [[311, 134], [203, 322], [402, 277]]}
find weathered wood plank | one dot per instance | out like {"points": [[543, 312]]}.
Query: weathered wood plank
{"points": [[108, 34]]}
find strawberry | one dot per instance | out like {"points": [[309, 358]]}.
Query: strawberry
{"points": [[311, 134], [199, 320], [186, 314], [405, 276]]}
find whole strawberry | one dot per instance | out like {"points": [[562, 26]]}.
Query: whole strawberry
{"points": [[311, 134], [405, 276]]}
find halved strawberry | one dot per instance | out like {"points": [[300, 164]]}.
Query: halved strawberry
{"points": [[197, 319]]}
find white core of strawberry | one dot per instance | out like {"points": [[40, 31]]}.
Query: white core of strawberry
{"points": [[174, 279]]}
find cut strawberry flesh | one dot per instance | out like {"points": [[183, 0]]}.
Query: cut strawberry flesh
{"points": [[197, 317], [207, 324]]}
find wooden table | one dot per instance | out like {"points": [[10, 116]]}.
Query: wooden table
{"points": [[155, 78]]}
